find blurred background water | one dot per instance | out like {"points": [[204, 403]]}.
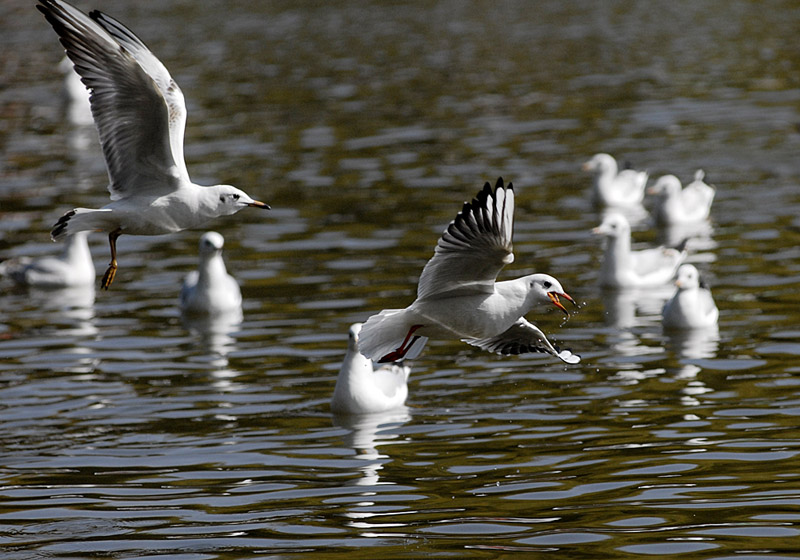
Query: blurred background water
{"points": [[127, 432]]}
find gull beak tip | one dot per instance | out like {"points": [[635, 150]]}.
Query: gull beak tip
{"points": [[554, 298], [569, 298], [257, 204]]}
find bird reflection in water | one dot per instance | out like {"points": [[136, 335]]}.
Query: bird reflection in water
{"points": [[214, 336], [365, 433], [626, 310]]}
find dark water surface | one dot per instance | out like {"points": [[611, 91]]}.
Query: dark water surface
{"points": [[125, 433]]}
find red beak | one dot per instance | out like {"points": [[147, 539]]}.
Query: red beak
{"points": [[554, 298], [257, 204]]}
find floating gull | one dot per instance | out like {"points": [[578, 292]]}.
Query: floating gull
{"points": [[210, 290], [692, 306], [610, 188], [362, 390], [623, 268], [73, 267], [675, 205], [140, 116], [458, 296]]}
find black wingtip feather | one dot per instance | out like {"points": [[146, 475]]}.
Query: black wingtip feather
{"points": [[517, 348], [61, 224], [485, 192], [479, 202], [477, 215], [682, 245]]}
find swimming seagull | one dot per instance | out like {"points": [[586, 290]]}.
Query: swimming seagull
{"points": [[676, 205], [624, 268], [210, 290], [692, 306], [140, 116], [360, 389], [458, 295], [73, 267], [611, 188]]}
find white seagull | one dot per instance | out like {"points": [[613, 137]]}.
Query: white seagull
{"points": [[360, 389], [458, 296], [623, 268], [611, 188], [676, 205], [692, 306], [73, 267], [210, 290], [140, 116]]}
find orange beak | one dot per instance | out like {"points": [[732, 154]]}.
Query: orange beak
{"points": [[554, 297], [257, 204]]}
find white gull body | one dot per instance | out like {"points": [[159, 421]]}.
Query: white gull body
{"points": [[73, 267], [678, 206], [140, 115], [458, 296], [611, 187], [692, 306], [210, 290], [361, 389], [624, 268]]}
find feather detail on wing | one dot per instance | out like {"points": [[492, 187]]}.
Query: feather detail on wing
{"points": [[128, 105], [474, 247], [172, 94], [521, 338]]}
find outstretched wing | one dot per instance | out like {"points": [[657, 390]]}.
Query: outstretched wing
{"points": [[521, 338], [138, 122], [172, 94], [474, 247]]}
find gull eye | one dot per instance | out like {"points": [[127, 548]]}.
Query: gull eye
{"points": [[235, 197], [547, 284]]}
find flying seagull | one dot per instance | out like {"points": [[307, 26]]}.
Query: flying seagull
{"points": [[458, 295], [140, 115]]}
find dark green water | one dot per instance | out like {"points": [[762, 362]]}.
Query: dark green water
{"points": [[125, 434]]}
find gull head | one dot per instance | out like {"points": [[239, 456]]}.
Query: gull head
{"points": [[230, 200], [543, 288], [668, 185], [688, 277], [211, 243], [352, 337], [601, 163], [613, 225]]}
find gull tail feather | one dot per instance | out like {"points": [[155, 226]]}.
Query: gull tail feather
{"points": [[79, 219], [384, 333]]}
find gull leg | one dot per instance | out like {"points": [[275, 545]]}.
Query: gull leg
{"points": [[400, 352], [111, 271]]}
